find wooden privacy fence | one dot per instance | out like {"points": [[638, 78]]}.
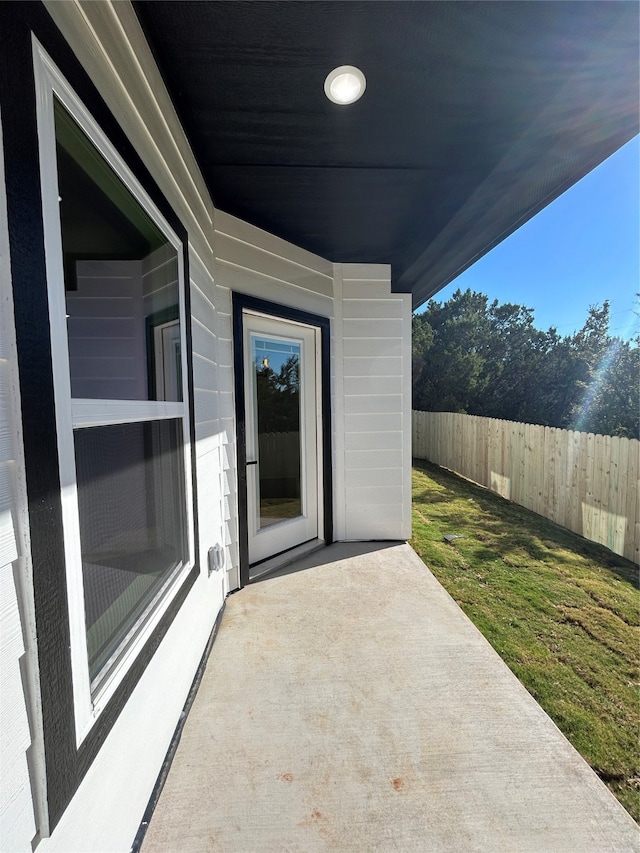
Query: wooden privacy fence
{"points": [[587, 483]]}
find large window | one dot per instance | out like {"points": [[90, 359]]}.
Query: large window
{"points": [[116, 301]]}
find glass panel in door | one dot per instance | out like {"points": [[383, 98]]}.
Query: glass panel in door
{"points": [[276, 367]]}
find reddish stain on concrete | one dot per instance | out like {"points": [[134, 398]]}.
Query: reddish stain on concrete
{"points": [[286, 777], [397, 783]]}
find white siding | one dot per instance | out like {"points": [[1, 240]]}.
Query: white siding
{"points": [[17, 826], [373, 416], [17, 638], [209, 436], [251, 261], [228, 434]]}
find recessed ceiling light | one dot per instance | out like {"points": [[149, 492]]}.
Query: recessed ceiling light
{"points": [[345, 84]]}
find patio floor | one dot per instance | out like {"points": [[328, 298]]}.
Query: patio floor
{"points": [[349, 705]]}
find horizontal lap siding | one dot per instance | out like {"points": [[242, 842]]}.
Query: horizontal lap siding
{"points": [[16, 812], [376, 407], [254, 242], [227, 434], [253, 262], [206, 400], [17, 824]]}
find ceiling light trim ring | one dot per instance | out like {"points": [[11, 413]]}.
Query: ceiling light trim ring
{"points": [[345, 85]]}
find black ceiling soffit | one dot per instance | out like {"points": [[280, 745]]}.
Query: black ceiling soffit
{"points": [[476, 115]]}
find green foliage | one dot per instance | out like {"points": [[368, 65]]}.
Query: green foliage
{"points": [[278, 397], [488, 359], [563, 613]]}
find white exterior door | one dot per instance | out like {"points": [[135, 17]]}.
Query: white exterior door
{"points": [[281, 380]]}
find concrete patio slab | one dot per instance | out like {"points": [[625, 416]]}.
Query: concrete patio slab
{"points": [[349, 705]]}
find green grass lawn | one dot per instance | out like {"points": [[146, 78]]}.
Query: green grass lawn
{"points": [[562, 612]]}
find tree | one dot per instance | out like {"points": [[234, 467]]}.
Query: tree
{"points": [[489, 359], [610, 402], [451, 371], [514, 362]]}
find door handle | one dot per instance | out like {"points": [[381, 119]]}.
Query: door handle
{"points": [[253, 462]]}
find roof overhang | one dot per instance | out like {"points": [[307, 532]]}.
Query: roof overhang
{"points": [[475, 116]]}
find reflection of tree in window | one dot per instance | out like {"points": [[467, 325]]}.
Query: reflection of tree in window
{"points": [[279, 397], [278, 416]]}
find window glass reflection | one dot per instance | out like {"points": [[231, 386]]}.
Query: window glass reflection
{"points": [[277, 386]]}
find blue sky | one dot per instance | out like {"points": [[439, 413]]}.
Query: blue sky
{"points": [[580, 250]]}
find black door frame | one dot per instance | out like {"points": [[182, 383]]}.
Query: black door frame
{"points": [[283, 312]]}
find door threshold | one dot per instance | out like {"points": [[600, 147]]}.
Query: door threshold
{"points": [[284, 559]]}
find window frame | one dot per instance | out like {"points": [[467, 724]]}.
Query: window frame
{"points": [[74, 413]]}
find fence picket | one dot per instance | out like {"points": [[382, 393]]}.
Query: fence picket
{"points": [[632, 536], [573, 482], [605, 485], [623, 491], [587, 506], [539, 465], [547, 506], [560, 485], [613, 531]]}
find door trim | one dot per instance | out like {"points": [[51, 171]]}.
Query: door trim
{"points": [[283, 312]]}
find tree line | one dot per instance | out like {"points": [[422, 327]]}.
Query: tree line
{"points": [[484, 358]]}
